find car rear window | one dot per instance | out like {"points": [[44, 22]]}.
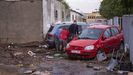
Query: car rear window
{"points": [[90, 34], [57, 27]]}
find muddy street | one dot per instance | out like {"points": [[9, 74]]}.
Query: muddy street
{"points": [[40, 61]]}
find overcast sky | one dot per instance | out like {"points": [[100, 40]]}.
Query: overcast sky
{"points": [[84, 5]]}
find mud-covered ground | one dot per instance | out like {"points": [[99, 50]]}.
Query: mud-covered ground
{"points": [[34, 60]]}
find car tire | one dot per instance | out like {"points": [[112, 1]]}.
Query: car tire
{"points": [[101, 55]]}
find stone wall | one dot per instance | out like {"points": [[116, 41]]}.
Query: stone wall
{"points": [[24, 21], [21, 21]]}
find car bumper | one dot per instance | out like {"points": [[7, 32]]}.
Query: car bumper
{"points": [[83, 53]]}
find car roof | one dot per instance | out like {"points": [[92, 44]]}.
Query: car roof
{"points": [[69, 23], [100, 26]]}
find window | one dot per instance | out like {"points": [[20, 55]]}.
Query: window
{"points": [[88, 17], [62, 15], [107, 33], [90, 34], [114, 31], [72, 17], [56, 15]]}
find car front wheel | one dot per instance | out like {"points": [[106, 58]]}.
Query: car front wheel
{"points": [[101, 55]]}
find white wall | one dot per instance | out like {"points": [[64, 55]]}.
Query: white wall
{"points": [[77, 16], [128, 33], [49, 8]]}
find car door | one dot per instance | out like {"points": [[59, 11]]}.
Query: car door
{"points": [[116, 37], [107, 43]]}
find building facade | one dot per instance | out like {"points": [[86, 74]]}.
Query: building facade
{"points": [[95, 17], [23, 21], [74, 15], [53, 11]]}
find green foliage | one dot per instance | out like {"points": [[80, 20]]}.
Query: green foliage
{"points": [[64, 3], [112, 8]]}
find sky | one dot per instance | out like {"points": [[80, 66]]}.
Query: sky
{"points": [[85, 6]]}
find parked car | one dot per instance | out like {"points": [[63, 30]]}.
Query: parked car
{"points": [[95, 39], [51, 35]]}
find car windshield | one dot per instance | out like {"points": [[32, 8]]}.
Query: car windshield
{"points": [[90, 33]]}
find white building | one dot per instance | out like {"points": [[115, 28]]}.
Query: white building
{"points": [[53, 11], [74, 15]]}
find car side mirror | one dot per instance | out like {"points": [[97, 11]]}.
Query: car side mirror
{"points": [[104, 38]]}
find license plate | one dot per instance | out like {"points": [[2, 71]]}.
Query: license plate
{"points": [[75, 51]]}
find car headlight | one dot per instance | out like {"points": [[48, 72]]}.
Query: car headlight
{"points": [[67, 46], [91, 47]]}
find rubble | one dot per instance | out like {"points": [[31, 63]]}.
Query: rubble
{"points": [[97, 68], [31, 53], [23, 58], [43, 46], [41, 73], [28, 72], [101, 56], [122, 72], [49, 57], [18, 53], [89, 66], [113, 62], [57, 55]]}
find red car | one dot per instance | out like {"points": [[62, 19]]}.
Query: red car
{"points": [[95, 38]]}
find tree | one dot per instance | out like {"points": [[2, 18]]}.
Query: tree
{"points": [[64, 3], [112, 8]]}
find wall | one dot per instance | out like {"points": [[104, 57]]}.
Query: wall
{"points": [[75, 16], [28, 20], [128, 33], [21, 21], [49, 9], [95, 17]]}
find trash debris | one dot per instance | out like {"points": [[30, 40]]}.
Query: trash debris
{"points": [[28, 72], [19, 65], [39, 51], [31, 53], [18, 53], [101, 56], [57, 55], [9, 46], [96, 68], [49, 57], [47, 53], [122, 72], [61, 57], [112, 64], [41, 73], [43, 46], [89, 66]]}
